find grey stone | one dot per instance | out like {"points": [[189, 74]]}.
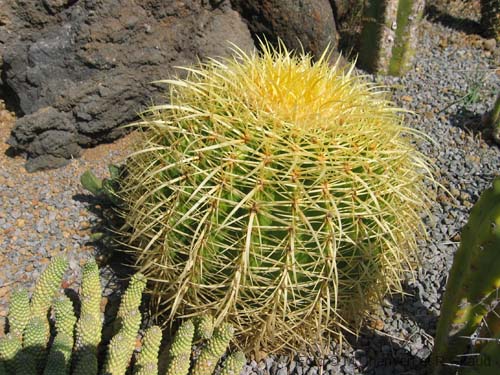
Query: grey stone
{"points": [[300, 24], [90, 64]]}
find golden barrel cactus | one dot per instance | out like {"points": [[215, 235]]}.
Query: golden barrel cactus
{"points": [[278, 193]]}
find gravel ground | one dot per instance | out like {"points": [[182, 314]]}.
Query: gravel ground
{"points": [[45, 213]]}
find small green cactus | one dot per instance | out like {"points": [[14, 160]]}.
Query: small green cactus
{"points": [[91, 290], [65, 318], [121, 347], [207, 361], [48, 286], [147, 359], [59, 358], [204, 327], [10, 346], [234, 364], [132, 297], [104, 189], [472, 290], [19, 312], [76, 343], [35, 340]]}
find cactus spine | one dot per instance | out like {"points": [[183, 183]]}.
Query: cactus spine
{"points": [[273, 210], [389, 35], [473, 282]]}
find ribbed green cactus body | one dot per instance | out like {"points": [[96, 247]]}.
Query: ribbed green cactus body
{"points": [[473, 282], [47, 286], [35, 339], [91, 289], [88, 332], [180, 350], [178, 365], [121, 347], [86, 363], [183, 339], [204, 327], [10, 346], [132, 297], [19, 312], [59, 358], [275, 193], [216, 347], [26, 364], [389, 35], [233, 364], [147, 360], [65, 318]]}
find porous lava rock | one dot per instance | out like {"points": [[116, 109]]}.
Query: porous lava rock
{"points": [[301, 24], [76, 70]]}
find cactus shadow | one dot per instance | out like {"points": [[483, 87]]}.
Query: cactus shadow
{"points": [[471, 122], [391, 350], [465, 25], [105, 237], [376, 353]]}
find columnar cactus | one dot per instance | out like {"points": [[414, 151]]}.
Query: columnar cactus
{"points": [[389, 35], [472, 290], [28, 354]]}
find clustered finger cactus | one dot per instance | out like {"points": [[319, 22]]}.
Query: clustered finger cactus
{"points": [[471, 303], [28, 349], [282, 194]]}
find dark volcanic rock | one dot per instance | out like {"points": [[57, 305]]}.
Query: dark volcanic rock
{"points": [[306, 24], [79, 69]]}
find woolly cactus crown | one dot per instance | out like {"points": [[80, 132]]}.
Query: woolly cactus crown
{"points": [[277, 192]]}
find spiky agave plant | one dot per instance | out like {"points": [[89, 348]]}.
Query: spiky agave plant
{"points": [[281, 194]]}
